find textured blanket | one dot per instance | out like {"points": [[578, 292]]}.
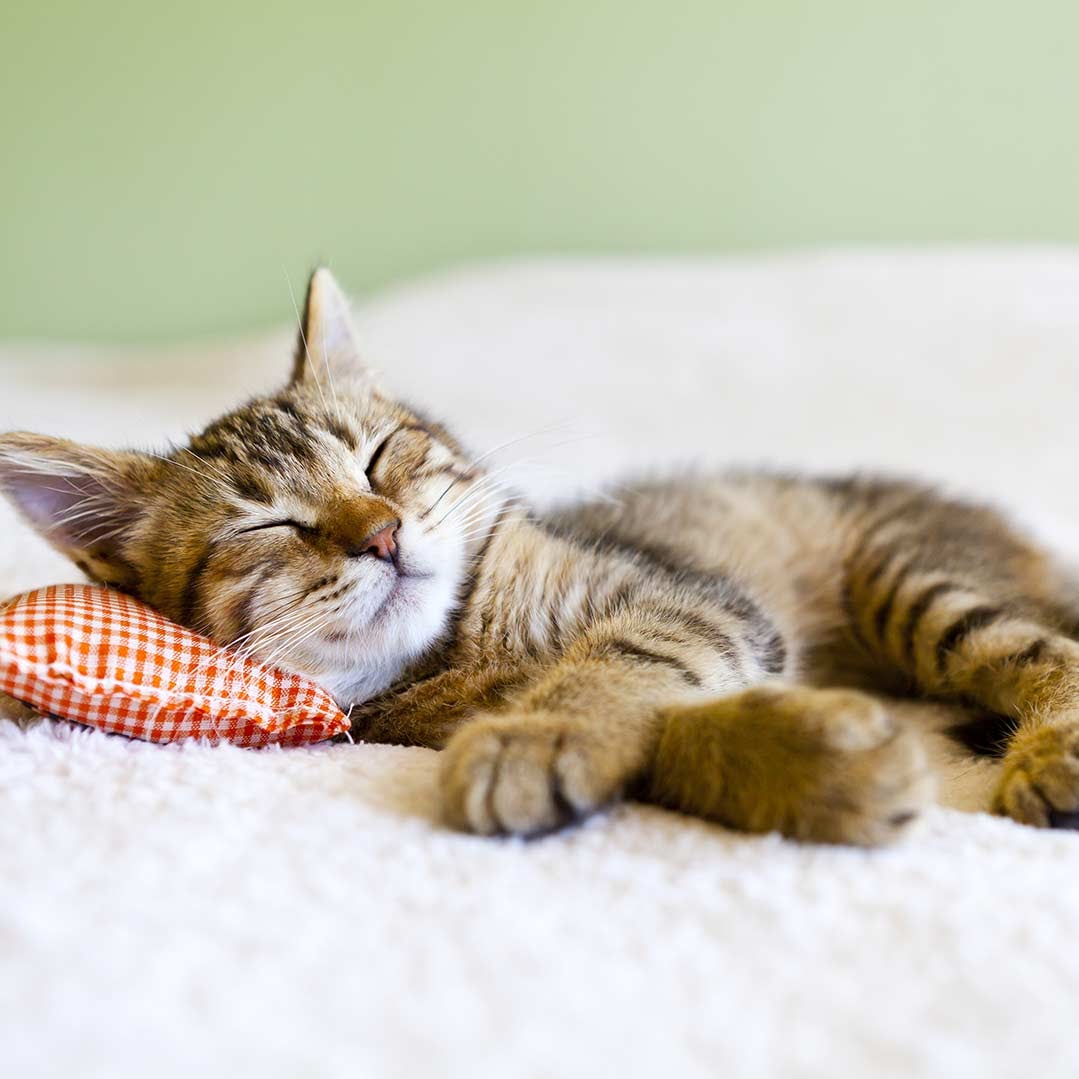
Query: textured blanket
{"points": [[194, 910]]}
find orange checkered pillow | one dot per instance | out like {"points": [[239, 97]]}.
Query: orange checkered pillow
{"points": [[101, 658]]}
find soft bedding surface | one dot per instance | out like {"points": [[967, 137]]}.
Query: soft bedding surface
{"points": [[208, 910]]}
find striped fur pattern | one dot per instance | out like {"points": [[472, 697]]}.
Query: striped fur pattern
{"points": [[709, 643]]}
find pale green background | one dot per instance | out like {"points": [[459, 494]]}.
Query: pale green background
{"points": [[165, 165]]}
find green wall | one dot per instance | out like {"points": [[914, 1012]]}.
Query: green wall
{"points": [[165, 166]]}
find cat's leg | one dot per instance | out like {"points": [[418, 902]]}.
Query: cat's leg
{"points": [[569, 744], [605, 719], [16, 712], [826, 765], [953, 636], [429, 711]]}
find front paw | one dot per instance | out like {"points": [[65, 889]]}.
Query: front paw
{"points": [[22, 715], [1040, 780], [525, 775]]}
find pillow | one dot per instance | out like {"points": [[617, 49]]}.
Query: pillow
{"points": [[99, 657]]}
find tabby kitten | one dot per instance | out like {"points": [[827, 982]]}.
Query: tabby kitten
{"points": [[676, 645]]}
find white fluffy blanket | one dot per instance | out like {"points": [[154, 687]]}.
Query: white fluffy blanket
{"points": [[190, 910]]}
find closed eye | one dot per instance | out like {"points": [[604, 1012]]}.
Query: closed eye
{"points": [[376, 456], [303, 529]]}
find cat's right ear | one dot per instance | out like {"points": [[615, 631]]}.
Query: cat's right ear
{"points": [[328, 351], [82, 500]]}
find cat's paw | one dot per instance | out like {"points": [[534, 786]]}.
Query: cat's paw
{"points": [[22, 715], [524, 775], [1039, 784], [827, 766]]}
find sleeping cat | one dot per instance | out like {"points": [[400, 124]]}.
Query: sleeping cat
{"points": [[681, 645]]}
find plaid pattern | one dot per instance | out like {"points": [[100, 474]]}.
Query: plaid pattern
{"points": [[98, 657]]}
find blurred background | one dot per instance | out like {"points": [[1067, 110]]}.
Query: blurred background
{"points": [[167, 167]]}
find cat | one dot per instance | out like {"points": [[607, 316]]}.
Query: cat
{"points": [[704, 643]]}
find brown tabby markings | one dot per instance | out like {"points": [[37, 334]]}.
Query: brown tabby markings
{"points": [[682, 644]]}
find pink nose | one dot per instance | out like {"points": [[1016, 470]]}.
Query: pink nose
{"points": [[383, 543]]}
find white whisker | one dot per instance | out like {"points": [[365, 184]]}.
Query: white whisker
{"points": [[209, 464], [329, 373], [482, 507], [176, 464], [303, 338], [275, 619], [490, 453], [301, 636], [286, 634], [71, 518], [483, 489]]}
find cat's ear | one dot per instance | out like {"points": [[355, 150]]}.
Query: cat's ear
{"points": [[327, 351], [83, 500]]}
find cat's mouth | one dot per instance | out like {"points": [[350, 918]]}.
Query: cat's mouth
{"points": [[404, 583]]}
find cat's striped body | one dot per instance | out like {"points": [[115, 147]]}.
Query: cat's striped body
{"points": [[663, 610], [682, 641]]}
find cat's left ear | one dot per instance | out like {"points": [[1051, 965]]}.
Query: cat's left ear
{"points": [[327, 351]]}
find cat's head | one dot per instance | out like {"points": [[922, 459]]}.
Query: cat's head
{"points": [[327, 528]]}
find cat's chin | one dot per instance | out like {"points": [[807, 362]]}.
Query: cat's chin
{"points": [[356, 664], [349, 681], [354, 686]]}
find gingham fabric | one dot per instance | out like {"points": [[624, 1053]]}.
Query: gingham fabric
{"points": [[98, 657]]}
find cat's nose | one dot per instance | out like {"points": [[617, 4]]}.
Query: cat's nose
{"points": [[383, 543]]}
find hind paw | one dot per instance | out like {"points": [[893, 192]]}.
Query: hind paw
{"points": [[1040, 782], [826, 766]]}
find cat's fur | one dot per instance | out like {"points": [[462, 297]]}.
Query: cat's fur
{"points": [[680, 644]]}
